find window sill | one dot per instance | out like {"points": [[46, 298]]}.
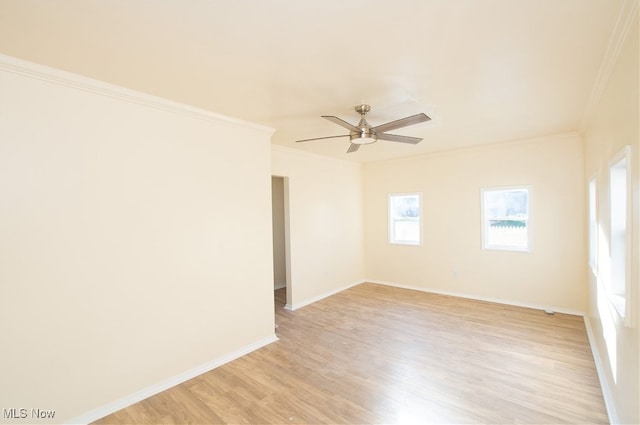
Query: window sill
{"points": [[505, 248], [405, 243]]}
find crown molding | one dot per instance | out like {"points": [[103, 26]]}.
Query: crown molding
{"points": [[485, 146], [627, 14], [67, 79]]}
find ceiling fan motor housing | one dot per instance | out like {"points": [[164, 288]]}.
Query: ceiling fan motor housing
{"points": [[366, 135]]}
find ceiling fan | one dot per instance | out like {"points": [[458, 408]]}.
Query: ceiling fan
{"points": [[364, 134]]}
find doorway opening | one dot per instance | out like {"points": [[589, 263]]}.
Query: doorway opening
{"points": [[280, 226]]}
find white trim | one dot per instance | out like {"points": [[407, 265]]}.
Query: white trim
{"points": [[504, 144], [481, 298], [626, 15], [622, 304], [602, 377], [149, 391], [89, 85], [391, 221], [483, 231], [592, 239], [293, 307]]}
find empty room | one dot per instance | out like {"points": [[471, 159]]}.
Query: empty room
{"points": [[347, 211]]}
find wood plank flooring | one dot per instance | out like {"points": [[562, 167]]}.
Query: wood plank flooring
{"points": [[378, 354]]}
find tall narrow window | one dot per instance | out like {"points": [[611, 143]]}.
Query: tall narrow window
{"points": [[505, 219], [405, 219], [593, 226], [619, 235]]}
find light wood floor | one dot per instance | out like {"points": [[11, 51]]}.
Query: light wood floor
{"points": [[378, 354]]}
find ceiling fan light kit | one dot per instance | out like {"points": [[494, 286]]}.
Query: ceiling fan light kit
{"points": [[364, 133], [363, 138]]}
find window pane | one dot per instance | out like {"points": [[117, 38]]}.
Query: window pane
{"points": [[618, 205], [407, 231], [593, 225], [404, 219], [506, 216], [406, 206]]}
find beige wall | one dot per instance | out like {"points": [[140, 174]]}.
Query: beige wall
{"points": [[126, 231], [277, 219], [325, 223], [127, 225], [615, 124], [451, 258]]}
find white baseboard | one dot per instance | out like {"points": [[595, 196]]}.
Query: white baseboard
{"points": [[279, 285], [602, 376], [147, 392], [481, 298], [317, 298]]}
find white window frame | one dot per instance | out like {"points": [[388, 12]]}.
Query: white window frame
{"points": [[391, 220], [620, 299], [592, 223], [484, 234]]}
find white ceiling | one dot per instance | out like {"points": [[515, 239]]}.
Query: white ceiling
{"points": [[486, 71]]}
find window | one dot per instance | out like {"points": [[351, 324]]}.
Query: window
{"points": [[405, 219], [505, 219], [619, 234], [593, 226]]}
